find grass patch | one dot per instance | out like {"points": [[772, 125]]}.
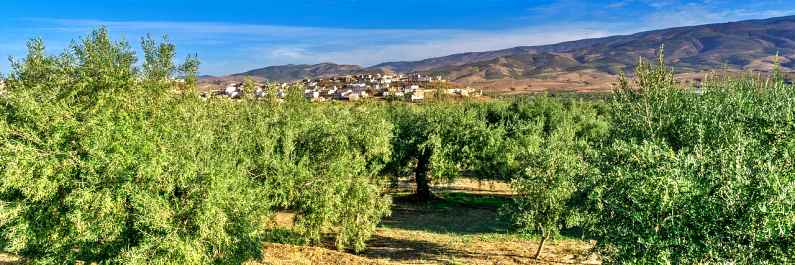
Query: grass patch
{"points": [[462, 199]]}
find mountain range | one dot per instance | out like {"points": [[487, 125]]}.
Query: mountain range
{"points": [[742, 45]]}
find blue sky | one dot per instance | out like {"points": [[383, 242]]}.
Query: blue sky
{"points": [[234, 35]]}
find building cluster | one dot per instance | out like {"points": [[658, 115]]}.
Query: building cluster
{"points": [[413, 88]]}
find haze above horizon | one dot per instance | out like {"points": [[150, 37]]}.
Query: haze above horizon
{"points": [[236, 35]]}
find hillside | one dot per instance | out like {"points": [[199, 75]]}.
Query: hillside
{"points": [[737, 45], [300, 71], [589, 64]]}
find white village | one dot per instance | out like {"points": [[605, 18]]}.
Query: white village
{"points": [[401, 87]]}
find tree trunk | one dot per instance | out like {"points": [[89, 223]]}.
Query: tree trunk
{"points": [[544, 237], [421, 176]]}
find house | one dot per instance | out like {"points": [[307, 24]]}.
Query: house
{"points": [[417, 95], [411, 89], [312, 94], [342, 94], [348, 94], [357, 86], [420, 78], [233, 91]]}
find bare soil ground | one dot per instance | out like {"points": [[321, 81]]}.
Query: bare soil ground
{"points": [[462, 227], [6, 259], [586, 81]]}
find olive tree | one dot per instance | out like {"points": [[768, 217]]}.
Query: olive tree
{"points": [[552, 138], [322, 163], [437, 142], [690, 178]]}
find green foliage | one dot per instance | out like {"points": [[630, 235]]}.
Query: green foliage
{"points": [[689, 179], [678, 178], [190, 71], [550, 138], [249, 85], [547, 182], [439, 142], [100, 162], [322, 164], [158, 59]]}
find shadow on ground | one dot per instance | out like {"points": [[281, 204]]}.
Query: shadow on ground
{"points": [[394, 249], [416, 251], [459, 213]]}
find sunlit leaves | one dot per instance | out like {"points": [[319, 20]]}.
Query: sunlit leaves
{"points": [[696, 178], [101, 162]]}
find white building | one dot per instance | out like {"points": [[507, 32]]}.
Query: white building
{"points": [[411, 89], [312, 94], [417, 95], [233, 91]]}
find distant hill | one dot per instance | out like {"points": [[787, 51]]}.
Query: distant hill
{"points": [[300, 71], [740, 45], [737, 45]]}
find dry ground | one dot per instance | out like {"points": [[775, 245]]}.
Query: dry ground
{"points": [[586, 81], [6, 259], [463, 227]]}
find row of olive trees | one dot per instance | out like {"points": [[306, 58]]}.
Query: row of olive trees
{"points": [[662, 175], [105, 161], [657, 174], [537, 144]]}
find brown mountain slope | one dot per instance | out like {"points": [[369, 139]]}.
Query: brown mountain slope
{"points": [[589, 63], [736, 45]]}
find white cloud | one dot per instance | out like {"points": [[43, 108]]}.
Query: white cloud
{"points": [[703, 13], [462, 42], [229, 47]]}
